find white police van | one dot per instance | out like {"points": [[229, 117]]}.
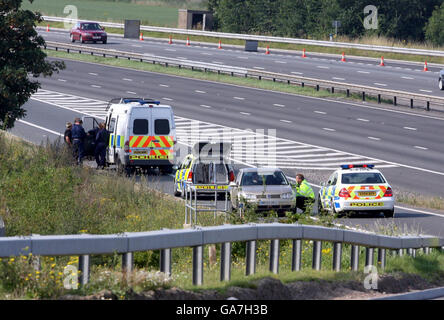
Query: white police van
{"points": [[142, 134]]}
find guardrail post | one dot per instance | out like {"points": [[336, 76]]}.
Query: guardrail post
{"points": [[354, 258], [302, 84], [332, 89], [35, 260], [394, 101], [317, 255], [379, 98], [337, 256], [84, 269], [225, 261], [251, 258], [127, 262], [348, 93], [317, 87], [274, 256], [411, 103], [198, 265], [411, 252], [363, 95], [381, 258], [428, 106], [296, 255], [369, 257], [426, 250], [165, 261]]}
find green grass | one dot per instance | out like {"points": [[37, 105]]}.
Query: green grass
{"points": [[159, 15], [43, 192]]}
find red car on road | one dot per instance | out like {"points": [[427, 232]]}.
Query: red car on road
{"points": [[88, 31]]}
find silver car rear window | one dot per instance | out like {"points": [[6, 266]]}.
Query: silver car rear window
{"points": [[255, 179]]}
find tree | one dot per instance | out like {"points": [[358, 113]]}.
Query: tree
{"points": [[21, 57], [434, 30]]}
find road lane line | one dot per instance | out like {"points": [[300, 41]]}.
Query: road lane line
{"points": [[364, 120], [374, 138], [366, 72], [199, 91], [278, 105], [238, 98], [421, 148], [409, 128], [41, 128], [320, 112], [328, 129]]}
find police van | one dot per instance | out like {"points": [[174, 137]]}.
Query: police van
{"points": [[142, 134]]}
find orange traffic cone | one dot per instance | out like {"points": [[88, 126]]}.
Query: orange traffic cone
{"points": [[47, 28], [170, 41], [303, 54], [220, 45], [188, 41], [268, 50], [343, 57], [425, 67], [382, 62], [141, 36]]}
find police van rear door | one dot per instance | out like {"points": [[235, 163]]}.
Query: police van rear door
{"points": [[164, 133]]}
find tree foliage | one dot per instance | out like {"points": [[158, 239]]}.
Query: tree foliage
{"points": [[434, 30], [400, 19], [21, 57]]}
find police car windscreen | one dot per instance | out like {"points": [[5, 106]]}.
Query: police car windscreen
{"points": [[362, 178], [140, 126], [255, 179], [161, 126]]}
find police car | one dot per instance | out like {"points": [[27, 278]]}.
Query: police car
{"points": [[356, 188]]}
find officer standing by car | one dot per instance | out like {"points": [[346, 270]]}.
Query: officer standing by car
{"points": [[68, 134], [101, 143], [305, 196], [78, 140]]}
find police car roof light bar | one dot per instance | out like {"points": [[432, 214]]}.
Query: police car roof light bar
{"points": [[141, 101], [349, 166]]}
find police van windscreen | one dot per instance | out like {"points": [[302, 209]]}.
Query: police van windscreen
{"points": [[161, 126], [140, 126], [362, 178]]}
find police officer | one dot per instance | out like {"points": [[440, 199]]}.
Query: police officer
{"points": [[101, 143], [68, 134], [304, 194], [78, 140]]}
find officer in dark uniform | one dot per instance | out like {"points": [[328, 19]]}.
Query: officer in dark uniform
{"points": [[101, 143], [78, 140]]}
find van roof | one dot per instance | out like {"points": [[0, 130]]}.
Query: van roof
{"points": [[135, 102]]}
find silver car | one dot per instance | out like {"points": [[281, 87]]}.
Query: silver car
{"points": [[265, 188]]}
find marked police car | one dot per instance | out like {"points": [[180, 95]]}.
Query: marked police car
{"points": [[356, 188]]}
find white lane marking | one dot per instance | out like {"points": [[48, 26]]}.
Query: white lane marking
{"points": [[92, 73], [409, 128], [364, 120], [421, 148], [428, 91], [164, 85], [322, 67], [245, 113], [320, 112], [279, 105], [366, 72], [240, 57], [183, 58], [294, 72], [172, 50], [374, 138], [380, 84], [277, 61], [63, 80], [41, 128], [136, 46], [126, 79], [286, 121], [206, 54], [95, 86], [420, 211], [217, 62], [238, 98], [335, 78], [199, 91], [328, 129], [205, 106], [260, 68], [131, 92], [408, 78], [167, 99]]}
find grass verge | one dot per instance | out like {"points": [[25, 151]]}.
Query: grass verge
{"points": [[42, 191]]}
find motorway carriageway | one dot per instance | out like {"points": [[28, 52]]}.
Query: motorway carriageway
{"points": [[83, 88], [396, 75]]}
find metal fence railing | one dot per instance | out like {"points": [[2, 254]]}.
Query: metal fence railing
{"points": [[332, 86], [126, 244], [247, 37]]}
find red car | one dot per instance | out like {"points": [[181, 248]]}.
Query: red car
{"points": [[88, 31]]}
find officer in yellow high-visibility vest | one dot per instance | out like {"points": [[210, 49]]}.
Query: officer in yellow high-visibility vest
{"points": [[305, 196]]}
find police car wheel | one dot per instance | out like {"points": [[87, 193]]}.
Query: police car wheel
{"points": [[332, 204], [321, 210], [177, 193], [441, 85], [389, 213]]}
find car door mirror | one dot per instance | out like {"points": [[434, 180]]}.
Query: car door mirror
{"points": [[322, 184], [175, 167]]}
